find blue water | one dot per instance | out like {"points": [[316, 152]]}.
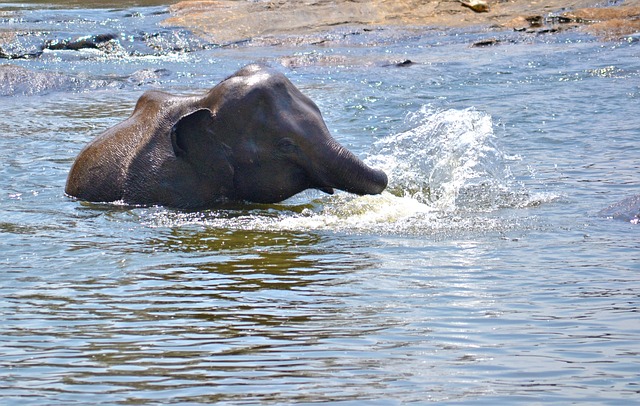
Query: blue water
{"points": [[492, 271]]}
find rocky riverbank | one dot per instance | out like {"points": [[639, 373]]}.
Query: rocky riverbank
{"points": [[229, 21]]}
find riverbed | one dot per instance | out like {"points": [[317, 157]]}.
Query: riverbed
{"points": [[501, 265]]}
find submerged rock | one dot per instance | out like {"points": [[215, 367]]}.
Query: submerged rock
{"points": [[11, 47], [627, 209], [16, 80], [313, 59], [19, 81], [485, 43], [88, 42], [401, 64], [31, 34], [405, 63], [146, 76]]}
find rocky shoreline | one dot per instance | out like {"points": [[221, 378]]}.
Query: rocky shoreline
{"points": [[275, 22], [222, 23], [229, 21]]}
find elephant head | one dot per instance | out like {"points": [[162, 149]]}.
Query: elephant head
{"points": [[253, 137]]}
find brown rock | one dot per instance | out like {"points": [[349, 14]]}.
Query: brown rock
{"points": [[229, 21], [479, 6], [608, 23], [604, 14]]}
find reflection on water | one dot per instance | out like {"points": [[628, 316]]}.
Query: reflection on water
{"points": [[231, 309], [205, 314]]}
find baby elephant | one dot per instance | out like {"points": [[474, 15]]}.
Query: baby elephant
{"points": [[254, 137]]}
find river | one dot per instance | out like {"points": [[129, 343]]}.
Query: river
{"points": [[501, 265]]}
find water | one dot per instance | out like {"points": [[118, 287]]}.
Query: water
{"points": [[493, 270]]}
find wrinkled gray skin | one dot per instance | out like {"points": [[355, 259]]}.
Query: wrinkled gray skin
{"points": [[254, 137]]}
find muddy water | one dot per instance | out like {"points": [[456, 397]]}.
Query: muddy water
{"points": [[491, 271]]}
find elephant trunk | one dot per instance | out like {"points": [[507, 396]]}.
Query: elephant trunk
{"points": [[347, 172]]}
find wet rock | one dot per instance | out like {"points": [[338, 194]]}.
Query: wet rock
{"points": [[19, 81], [16, 80], [632, 38], [173, 40], [550, 30], [119, 33], [12, 55], [88, 42], [479, 6], [607, 22], [227, 21], [590, 15], [402, 64], [321, 59], [230, 21], [486, 43], [147, 76], [626, 210], [405, 63], [6, 37], [161, 42], [537, 24], [25, 45], [534, 21], [12, 46], [519, 24], [314, 59]]}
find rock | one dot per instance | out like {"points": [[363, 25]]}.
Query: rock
{"points": [[608, 22], [16, 80], [404, 64], [626, 210], [88, 42], [486, 43], [146, 76], [518, 23], [591, 15], [10, 48], [313, 59], [479, 6], [226, 22]]}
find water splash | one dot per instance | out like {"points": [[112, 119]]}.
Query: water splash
{"points": [[446, 174], [450, 161]]}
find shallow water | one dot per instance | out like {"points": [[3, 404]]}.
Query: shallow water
{"points": [[491, 271]]}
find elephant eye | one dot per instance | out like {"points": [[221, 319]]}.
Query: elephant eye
{"points": [[287, 145]]}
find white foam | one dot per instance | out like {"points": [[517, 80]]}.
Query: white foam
{"points": [[357, 213]]}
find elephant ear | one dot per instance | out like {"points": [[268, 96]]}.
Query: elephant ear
{"points": [[194, 140], [189, 134]]}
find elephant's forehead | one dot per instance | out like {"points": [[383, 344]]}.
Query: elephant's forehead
{"points": [[257, 79]]}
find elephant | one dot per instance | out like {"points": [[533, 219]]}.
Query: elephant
{"points": [[254, 137]]}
